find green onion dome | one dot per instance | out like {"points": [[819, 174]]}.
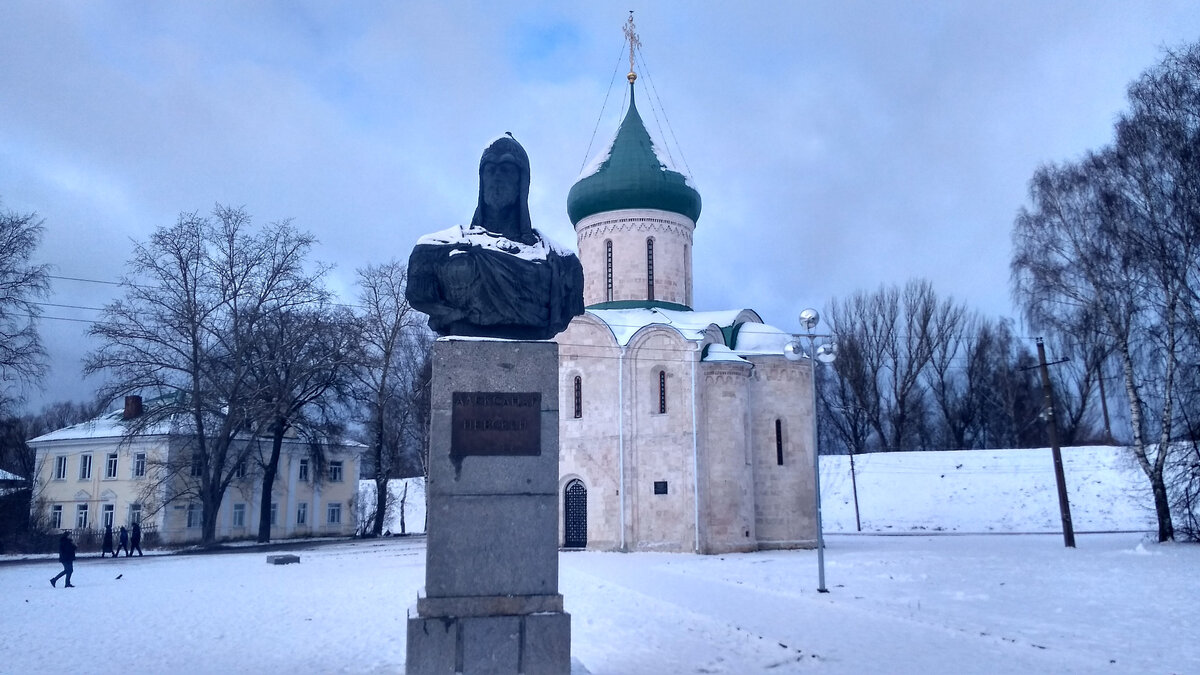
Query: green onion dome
{"points": [[631, 175]]}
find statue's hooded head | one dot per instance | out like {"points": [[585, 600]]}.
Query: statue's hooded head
{"points": [[516, 226]]}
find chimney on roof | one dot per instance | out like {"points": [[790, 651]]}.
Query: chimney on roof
{"points": [[133, 407]]}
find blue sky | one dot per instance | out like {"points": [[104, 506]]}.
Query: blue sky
{"points": [[838, 146]]}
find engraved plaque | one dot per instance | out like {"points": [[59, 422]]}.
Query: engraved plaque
{"points": [[496, 423]]}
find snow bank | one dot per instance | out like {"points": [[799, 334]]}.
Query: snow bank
{"points": [[986, 491]]}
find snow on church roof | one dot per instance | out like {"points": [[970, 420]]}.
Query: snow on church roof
{"points": [[624, 323], [744, 333], [759, 338]]}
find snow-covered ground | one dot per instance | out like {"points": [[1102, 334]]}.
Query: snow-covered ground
{"points": [[919, 604], [986, 491], [972, 603]]}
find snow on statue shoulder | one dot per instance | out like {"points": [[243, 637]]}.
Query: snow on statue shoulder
{"points": [[497, 277]]}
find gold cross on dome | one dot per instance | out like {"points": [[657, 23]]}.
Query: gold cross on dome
{"points": [[634, 43]]}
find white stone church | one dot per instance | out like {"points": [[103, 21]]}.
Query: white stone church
{"points": [[681, 430]]}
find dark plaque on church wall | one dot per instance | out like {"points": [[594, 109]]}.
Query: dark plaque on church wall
{"points": [[496, 423]]}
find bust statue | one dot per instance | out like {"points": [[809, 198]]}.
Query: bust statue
{"points": [[497, 277]]}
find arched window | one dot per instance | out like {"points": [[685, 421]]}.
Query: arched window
{"points": [[608, 295], [650, 268], [779, 442], [662, 391], [578, 397]]}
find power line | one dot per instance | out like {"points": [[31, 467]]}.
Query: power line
{"points": [[88, 281]]}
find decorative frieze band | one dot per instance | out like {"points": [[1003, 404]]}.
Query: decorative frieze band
{"points": [[621, 225]]}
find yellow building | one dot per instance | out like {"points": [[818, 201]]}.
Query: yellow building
{"points": [[91, 474]]}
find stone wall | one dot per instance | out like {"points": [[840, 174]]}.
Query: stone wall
{"points": [[785, 506], [727, 478], [628, 230], [590, 445], [661, 447]]}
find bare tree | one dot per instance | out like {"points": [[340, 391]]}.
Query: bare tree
{"points": [[891, 334], [393, 345], [1076, 378], [195, 297], [22, 357], [1075, 258], [300, 365], [952, 388]]}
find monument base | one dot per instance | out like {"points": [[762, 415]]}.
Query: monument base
{"points": [[491, 602], [533, 644]]}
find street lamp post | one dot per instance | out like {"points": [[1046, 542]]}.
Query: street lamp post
{"points": [[809, 318]]}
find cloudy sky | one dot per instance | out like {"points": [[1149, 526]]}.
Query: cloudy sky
{"points": [[838, 146]]}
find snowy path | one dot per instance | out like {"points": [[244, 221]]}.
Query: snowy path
{"points": [[675, 616]]}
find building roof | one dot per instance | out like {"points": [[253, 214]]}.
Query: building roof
{"points": [[6, 476], [742, 331], [632, 174], [112, 425], [107, 425]]}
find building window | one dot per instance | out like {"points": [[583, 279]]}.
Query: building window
{"points": [[81, 516], [650, 269], [578, 397], [335, 472], [660, 487], [239, 471], [106, 515], [110, 465], [302, 513], [779, 442], [304, 470], [193, 515], [335, 513], [135, 513], [274, 513], [85, 467], [56, 517], [608, 293], [60, 467], [239, 515], [139, 465], [197, 465], [662, 392]]}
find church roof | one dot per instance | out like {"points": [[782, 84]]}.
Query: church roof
{"points": [[625, 323], [632, 174]]}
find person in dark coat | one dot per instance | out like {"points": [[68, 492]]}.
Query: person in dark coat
{"points": [[136, 541], [107, 542], [66, 556], [123, 543]]}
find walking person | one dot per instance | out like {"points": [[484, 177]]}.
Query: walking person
{"points": [[123, 541], [107, 546], [136, 540], [66, 556]]}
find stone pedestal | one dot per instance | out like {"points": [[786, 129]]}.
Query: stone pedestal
{"points": [[491, 601]]}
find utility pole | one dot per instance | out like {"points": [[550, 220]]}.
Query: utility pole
{"points": [[1108, 437], [1064, 506]]}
